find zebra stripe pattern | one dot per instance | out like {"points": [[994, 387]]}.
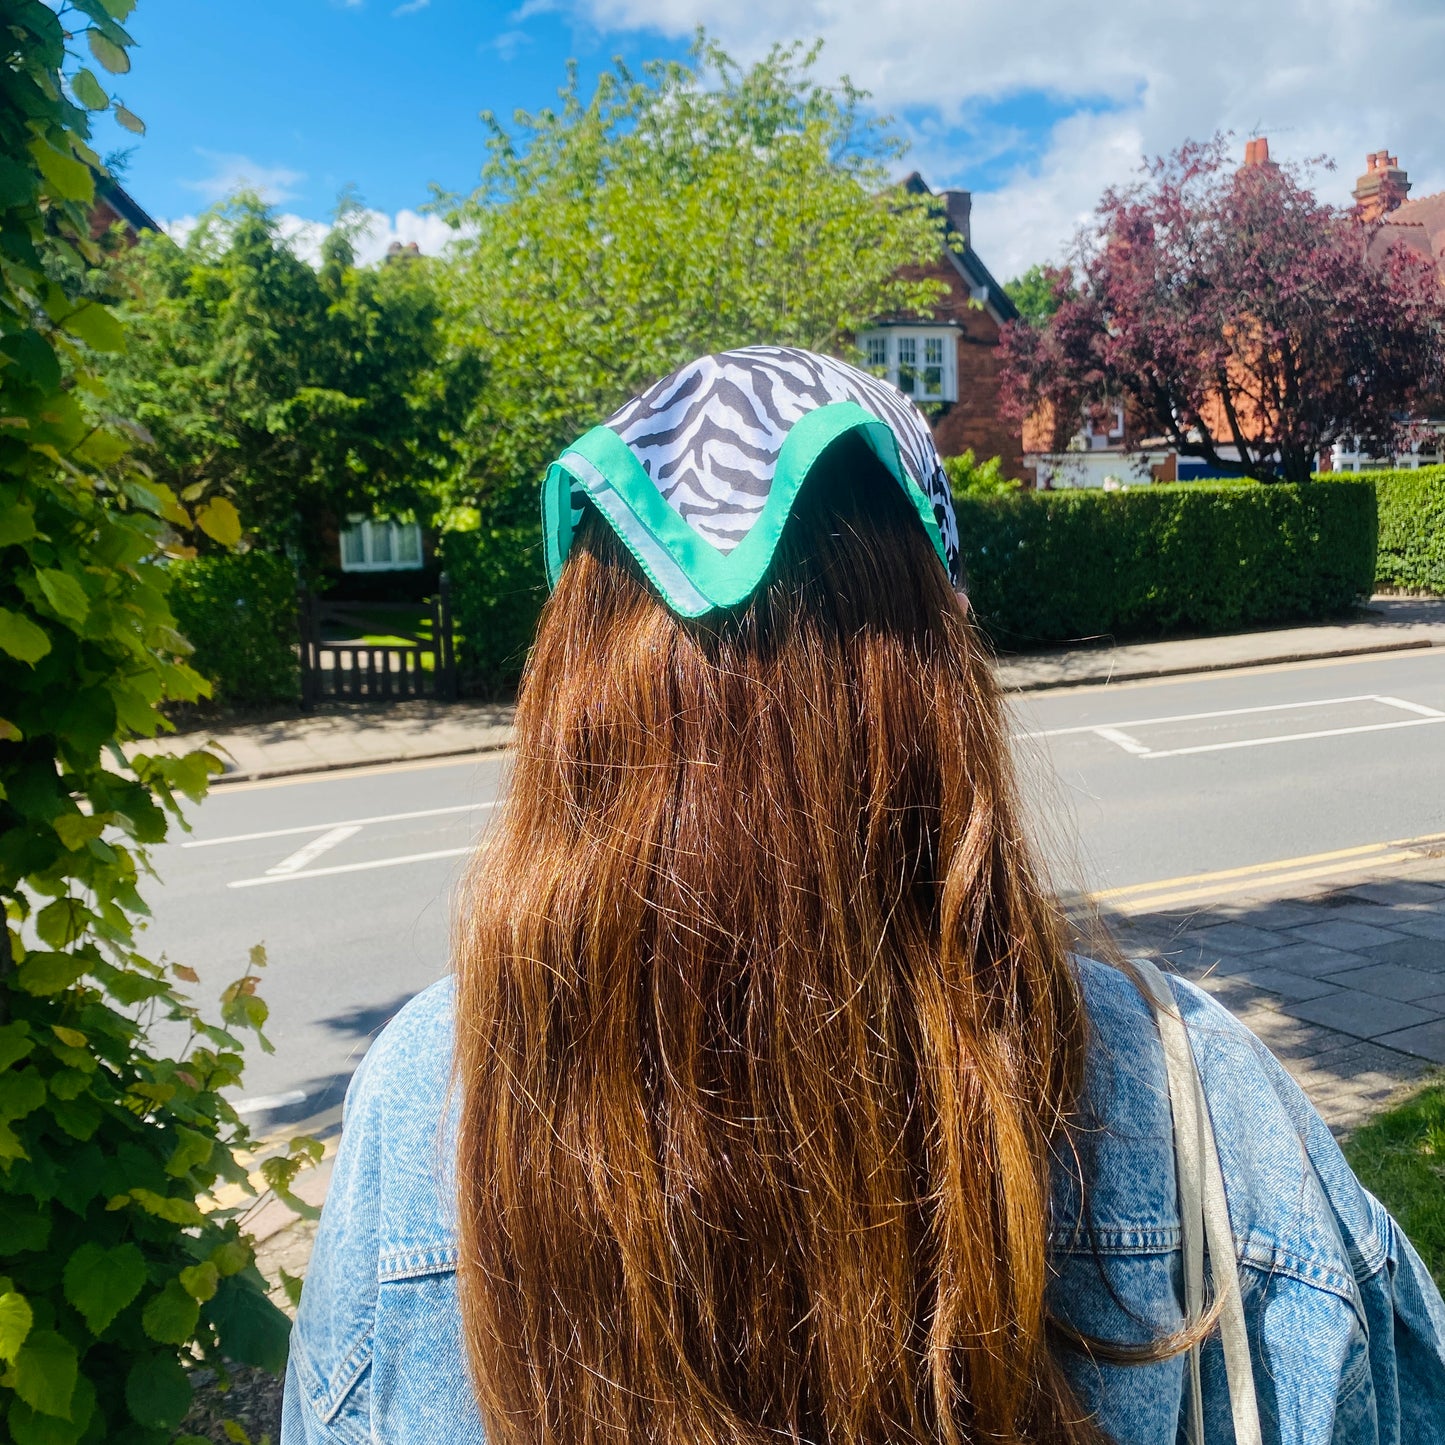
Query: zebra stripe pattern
{"points": [[709, 435]]}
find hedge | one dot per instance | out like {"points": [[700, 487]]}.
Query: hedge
{"points": [[498, 586], [1044, 566], [1412, 530], [1054, 566], [238, 611]]}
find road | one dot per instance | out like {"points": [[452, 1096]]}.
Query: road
{"points": [[349, 877]]}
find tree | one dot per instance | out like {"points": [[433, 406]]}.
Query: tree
{"points": [[1038, 293], [1235, 311], [691, 208], [112, 1276], [301, 393]]}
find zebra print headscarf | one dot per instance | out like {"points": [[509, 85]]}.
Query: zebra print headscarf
{"points": [[698, 473]]}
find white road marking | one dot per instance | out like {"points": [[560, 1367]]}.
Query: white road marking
{"points": [[352, 867], [310, 852], [1414, 722], [264, 1103], [1130, 745], [1411, 706], [344, 823], [1149, 722]]}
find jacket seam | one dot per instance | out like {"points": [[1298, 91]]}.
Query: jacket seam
{"points": [[394, 1265], [327, 1394]]}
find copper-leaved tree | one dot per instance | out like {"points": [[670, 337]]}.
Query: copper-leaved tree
{"points": [[1237, 317]]}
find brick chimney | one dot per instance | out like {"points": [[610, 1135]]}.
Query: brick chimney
{"points": [[1383, 186], [959, 207], [1256, 153]]}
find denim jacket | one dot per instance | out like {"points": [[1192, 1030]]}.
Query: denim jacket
{"points": [[1347, 1328]]}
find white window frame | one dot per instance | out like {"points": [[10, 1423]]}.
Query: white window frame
{"points": [[898, 343], [381, 542], [1347, 456]]}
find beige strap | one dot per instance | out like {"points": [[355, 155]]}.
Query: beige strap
{"points": [[1203, 1214]]}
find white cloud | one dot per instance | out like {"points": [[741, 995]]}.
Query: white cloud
{"points": [[1333, 77], [528, 8], [508, 43], [410, 7], [231, 173], [431, 234]]}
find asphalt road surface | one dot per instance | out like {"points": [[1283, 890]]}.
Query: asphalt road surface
{"points": [[349, 878]]}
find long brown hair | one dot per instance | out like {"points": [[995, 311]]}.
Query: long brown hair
{"points": [[765, 1020]]}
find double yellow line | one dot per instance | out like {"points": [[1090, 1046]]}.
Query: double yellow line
{"points": [[1229, 882]]}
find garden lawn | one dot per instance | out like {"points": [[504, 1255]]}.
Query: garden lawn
{"points": [[1399, 1157]]}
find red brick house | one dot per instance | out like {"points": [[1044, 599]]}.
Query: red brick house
{"points": [[950, 363], [113, 203], [1381, 194]]}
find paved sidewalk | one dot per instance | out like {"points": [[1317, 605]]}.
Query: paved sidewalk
{"points": [[348, 735], [1386, 624], [1345, 982]]}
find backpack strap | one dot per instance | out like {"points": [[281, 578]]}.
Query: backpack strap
{"points": [[1203, 1215]]}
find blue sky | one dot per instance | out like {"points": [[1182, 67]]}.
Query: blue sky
{"points": [[1035, 105], [306, 96]]}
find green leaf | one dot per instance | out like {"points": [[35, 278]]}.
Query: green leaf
{"points": [[23, 1225], [100, 1283], [231, 1257], [251, 1330], [17, 183], [292, 1284], [62, 923], [15, 1321], [200, 1281], [171, 1316], [47, 973], [22, 1092], [192, 1151], [17, 523], [87, 91], [97, 328], [110, 55], [157, 1392], [21, 638], [34, 358], [129, 120], [15, 1044], [64, 594], [220, 521], [164, 1206], [67, 178], [118, 9], [44, 1373], [68, 1083], [75, 830], [29, 1428]]}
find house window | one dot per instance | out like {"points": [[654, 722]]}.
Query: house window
{"points": [[372, 544], [907, 369], [918, 361]]}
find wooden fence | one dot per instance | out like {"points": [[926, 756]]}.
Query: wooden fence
{"points": [[338, 662]]}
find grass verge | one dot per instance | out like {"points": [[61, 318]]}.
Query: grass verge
{"points": [[1399, 1156]]}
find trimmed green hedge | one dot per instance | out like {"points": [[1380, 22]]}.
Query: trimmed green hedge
{"points": [[1412, 530], [498, 587], [1197, 557], [238, 610], [1043, 567]]}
